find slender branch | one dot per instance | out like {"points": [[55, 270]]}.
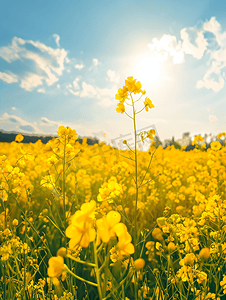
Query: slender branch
{"points": [[138, 99], [148, 166], [80, 261], [129, 148], [140, 110], [128, 104], [149, 180], [128, 115], [125, 156]]}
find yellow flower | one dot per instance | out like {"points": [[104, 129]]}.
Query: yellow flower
{"points": [[161, 222], [148, 104], [130, 83], [189, 259], [203, 146], [47, 181], [56, 266], [27, 154], [106, 225], [133, 85], [124, 246], [122, 94], [158, 246], [171, 247], [19, 138], [215, 145], [67, 132], [223, 284], [120, 108], [157, 234], [220, 135], [110, 190], [81, 231], [150, 134]]}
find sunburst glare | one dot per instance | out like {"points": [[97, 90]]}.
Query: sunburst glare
{"points": [[148, 70]]}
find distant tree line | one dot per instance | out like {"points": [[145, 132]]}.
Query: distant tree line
{"points": [[8, 137]]}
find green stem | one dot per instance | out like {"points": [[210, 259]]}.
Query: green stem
{"points": [[97, 270], [63, 184], [136, 170], [78, 277], [80, 261]]}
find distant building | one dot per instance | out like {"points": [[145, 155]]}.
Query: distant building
{"points": [[186, 139]]}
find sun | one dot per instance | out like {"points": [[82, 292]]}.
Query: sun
{"points": [[148, 70]]}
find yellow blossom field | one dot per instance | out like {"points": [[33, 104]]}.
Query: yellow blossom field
{"points": [[94, 222]]}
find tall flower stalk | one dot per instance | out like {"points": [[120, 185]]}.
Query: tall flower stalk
{"points": [[125, 98]]}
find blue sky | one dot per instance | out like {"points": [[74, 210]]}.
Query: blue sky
{"points": [[61, 63]]}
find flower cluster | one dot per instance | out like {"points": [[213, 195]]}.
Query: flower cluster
{"points": [[110, 190], [132, 86]]}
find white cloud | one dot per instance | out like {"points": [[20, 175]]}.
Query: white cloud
{"points": [[41, 91], [13, 108], [47, 122], [73, 92], [213, 26], [104, 95], [113, 77], [194, 42], [210, 83], [30, 81], [49, 62], [9, 78], [212, 118], [88, 91], [22, 125], [106, 92], [166, 46], [79, 67], [188, 48], [57, 39], [95, 61], [75, 83]]}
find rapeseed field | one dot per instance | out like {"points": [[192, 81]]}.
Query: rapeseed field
{"points": [[94, 222]]}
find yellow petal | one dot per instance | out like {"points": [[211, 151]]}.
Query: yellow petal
{"points": [[138, 84], [129, 249], [71, 231], [120, 229], [113, 218], [75, 241]]}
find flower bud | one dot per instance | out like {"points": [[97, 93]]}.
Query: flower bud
{"points": [[171, 247], [204, 253], [15, 222], [62, 252], [139, 263]]}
